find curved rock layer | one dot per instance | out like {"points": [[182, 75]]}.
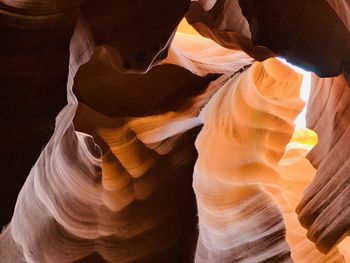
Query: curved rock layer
{"points": [[229, 202], [129, 197], [324, 208], [247, 125], [121, 206], [139, 31], [298, 30], [34, 58], [296, 173], [223, 22], [114, 184]]}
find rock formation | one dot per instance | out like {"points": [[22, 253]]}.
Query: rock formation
{"points": [[324, 209], [247, 125], [145, 144]]}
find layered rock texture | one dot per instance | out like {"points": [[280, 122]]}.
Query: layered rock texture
{"points": [[137, 138], [324, 208], [238, 153]]}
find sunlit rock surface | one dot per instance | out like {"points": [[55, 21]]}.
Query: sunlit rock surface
{"points": [[247, 125]]}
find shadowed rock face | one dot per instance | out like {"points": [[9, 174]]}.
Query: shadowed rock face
{"points": [[34, 57], [122, 92], [138, 30], [34, 63], [154, 130], [312, 34], [139, 204], [324, 208], [319, 42], [226, 25]]}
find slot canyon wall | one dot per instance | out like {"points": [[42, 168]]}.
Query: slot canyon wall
{"points": [[163, 131]]}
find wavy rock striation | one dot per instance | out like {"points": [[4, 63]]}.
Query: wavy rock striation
{"points": [[324, 208], [34, 63], [296, 30], [247, 125], [296, 173], [113, 185]]}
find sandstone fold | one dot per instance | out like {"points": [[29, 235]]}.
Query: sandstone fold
{"points": [[324, 208], [296, 173], [171, 147], [300, 31], [114, 184], [116, 199], [34, 64], [34, 58], [222, 21], [296, 30], [247, 125], [139, 31]]}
